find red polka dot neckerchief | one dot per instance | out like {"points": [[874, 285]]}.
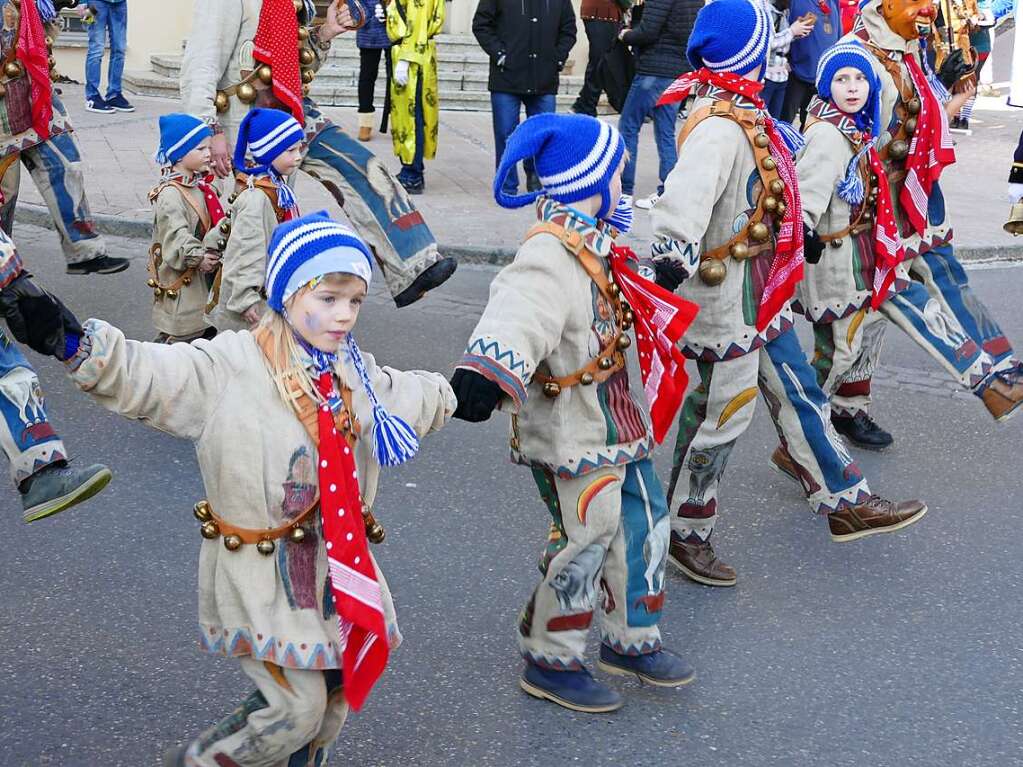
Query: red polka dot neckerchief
{"points": [[31, 52]]}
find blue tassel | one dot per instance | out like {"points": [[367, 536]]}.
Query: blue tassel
{"points": [[621, 218], [851, 188], [285, 196], [792, 138]]}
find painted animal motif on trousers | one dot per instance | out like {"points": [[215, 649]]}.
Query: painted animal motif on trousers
{"points": [[655, 553], [20, 387], [706, 468], [871, 344], [575, 584], [823, 413]]}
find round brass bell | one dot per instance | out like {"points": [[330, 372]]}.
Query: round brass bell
{"points": [[898, 150], [308, 75], [306, 57], [624, 342], [770, 204], [221, 101], [221, 243], [303, 33], [49, 41], [628, 317], [265, 74], [12, 69], [297, 534], [51, 62], [551, 389], [172, 294], [158, 292], [202, 511], [777, 186], [836, 243], [712, 271], [186, 280], [232, 542], [605, 363], [910, 125], [151, 282], [769, 164], [759, 232], [266, 547], [781, 210], [209, 530], [246, 93], [739, 251], [376, 533], [586, 379], [614, 290], [305, 89], [225, 227], [761, 140], [913, 106]]}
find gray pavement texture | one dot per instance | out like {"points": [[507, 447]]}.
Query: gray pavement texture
{"points": [[897, 650], [117, 151]]}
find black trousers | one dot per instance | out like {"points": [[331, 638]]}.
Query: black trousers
{"points": [[369, 70], [797, 99], [600, 34]]}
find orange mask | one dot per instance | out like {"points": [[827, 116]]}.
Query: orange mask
{"points": [[909, 19]]}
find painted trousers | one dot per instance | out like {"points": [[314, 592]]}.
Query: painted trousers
{"points": [[56, 168], [942, 315], [605, 556], [291, 720], [377, 205], [27, 437], [720, 409]]}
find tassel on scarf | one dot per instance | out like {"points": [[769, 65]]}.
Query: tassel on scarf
{"points": [[285, 195], [621, 218], [851, 188], [792, 138]]}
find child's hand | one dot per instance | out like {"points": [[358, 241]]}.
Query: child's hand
{"points": [[210, 262], [252, 314]]}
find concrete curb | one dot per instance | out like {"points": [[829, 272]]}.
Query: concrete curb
{"points": [[117, 226]]}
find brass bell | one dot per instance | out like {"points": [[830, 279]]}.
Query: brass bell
{"points": [[551, 389], [777, 186], [306, 57], [158, 292], [836, 243], [221, 243], [303, 33], [911, 125], [514, 443], [202, 511], [739, 251], [308, 75], [305, 89], [172, 294], [209, 530], [221, 101], [769, 164], [51, 62], [265, 74], [586, 379], [628, 318], [770, 204], [761, 140], [375, 533], [898, 150], [712, 271], [186, 280], [781, 210], [1014, 225], [246, 93], [49, 41], [232, 542], [232, 198], [759, 232], [225, 227], [151, 282], [297, 534], [12, 69], [624, 342], [266, 547], [605, 363], [913, 106], [614, 290]]}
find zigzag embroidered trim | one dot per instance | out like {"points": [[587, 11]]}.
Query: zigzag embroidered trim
{"points": [[554, 664], [632, 648], [779, 324], [237, 642]]}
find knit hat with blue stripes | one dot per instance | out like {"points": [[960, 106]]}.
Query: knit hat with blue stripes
{"points": [[575, 157], [179, 135], [265, 134], [852, 54], [730, 36]]}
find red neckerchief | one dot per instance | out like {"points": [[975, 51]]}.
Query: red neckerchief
{"points": [[276, 45], [32, 53], [209, 195], [353, 580], [787, 267], [929, 151], [888, 250], [661, 318]]}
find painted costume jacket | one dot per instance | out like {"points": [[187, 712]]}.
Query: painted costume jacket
{"points": [[179, 231], [841, 282], [708, 197], [412, 28], [258, 466], [871, 28], [16, 131], [546, 314]]}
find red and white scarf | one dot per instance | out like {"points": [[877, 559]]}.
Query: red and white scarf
{"points": [[212, 199], [31, 52], [276, 45], [661, 318], [787, 267], [353, 580], [930, 150]]}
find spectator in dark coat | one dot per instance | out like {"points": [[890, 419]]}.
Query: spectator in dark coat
{"points": [[660, 40], [373, 42], [528, 42], [806, 52], [601, 20]]}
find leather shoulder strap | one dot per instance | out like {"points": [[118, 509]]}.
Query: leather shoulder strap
{"points": [[746, 118], [200, 210], [268, 188]]}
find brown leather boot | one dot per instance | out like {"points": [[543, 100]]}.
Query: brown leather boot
{"points": [[699, 562], [1003, 396], [782, 462], [877, 515]]}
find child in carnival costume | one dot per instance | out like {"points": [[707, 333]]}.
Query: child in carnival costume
{"points": [[938, 309], [261, 201], [291, 424], [729, 229], [549, 349], [185, 209]]}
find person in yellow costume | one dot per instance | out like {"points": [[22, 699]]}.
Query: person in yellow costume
{"points": [[412, 26]]}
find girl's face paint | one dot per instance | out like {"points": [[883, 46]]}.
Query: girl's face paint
{"points": [[324, 315]]}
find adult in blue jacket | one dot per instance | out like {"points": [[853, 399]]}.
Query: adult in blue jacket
{"points": [[806, 51]]}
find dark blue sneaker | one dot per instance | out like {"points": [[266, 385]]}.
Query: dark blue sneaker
{"points": [[97, 104], [575, 690], [661, 668], [119, 103]]}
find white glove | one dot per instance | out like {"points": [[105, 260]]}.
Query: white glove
{"points": [[1015, 193], [379, 12], [401, 73]]}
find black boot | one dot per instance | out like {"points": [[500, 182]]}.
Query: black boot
{"points": [[427, 281], [861, 430]]}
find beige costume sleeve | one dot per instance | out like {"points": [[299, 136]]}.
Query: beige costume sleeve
{"points": [[208, 54], [174, 229], [244, 261], [820, 166]]}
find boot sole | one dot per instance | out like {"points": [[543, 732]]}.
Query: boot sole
{"points": [[700, 578], [102, 270], [83, 492], [864, 445], [877, 530], [538, 692], [407, 297], [619, 671]]}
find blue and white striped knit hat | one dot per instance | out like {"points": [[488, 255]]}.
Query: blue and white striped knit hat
{"points": [[575, 157], [852, 54], [730, 36], [307, 248], [265, 134], [179, 135]]}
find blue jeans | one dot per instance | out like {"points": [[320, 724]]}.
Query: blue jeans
{"points": [[506, 108], [639, 104], [774, 97], [112, 17], [414, 172]]}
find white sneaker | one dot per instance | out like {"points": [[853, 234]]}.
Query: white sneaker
{"points": [[646, 203]]}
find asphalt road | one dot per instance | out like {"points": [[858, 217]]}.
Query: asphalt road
{"points": [[898, 650]]}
